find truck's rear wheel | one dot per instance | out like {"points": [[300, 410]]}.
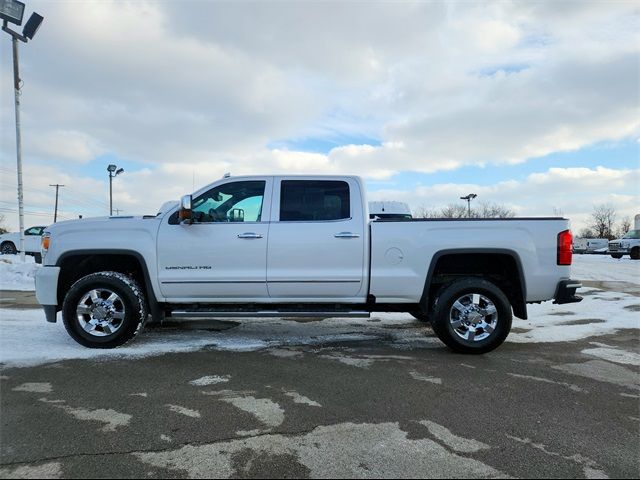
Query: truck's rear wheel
{"points": [[616, 255], [104, 310], [471, 316]]}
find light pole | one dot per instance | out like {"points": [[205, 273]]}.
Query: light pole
{"points": [[468, 198], [114, 171], [13, 11]]}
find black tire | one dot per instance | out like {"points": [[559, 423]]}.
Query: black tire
{"points": [[443, 315], [130, 303], [37, 257], [8, 248], [635, 253], [420, 316], [616, 255]]}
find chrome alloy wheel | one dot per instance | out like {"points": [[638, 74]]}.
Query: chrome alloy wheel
{"points": [[473, 317], [100, 312]]}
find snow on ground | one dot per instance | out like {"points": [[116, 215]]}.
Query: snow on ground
{"points": [[16, 275], [27, 339], [605, 268], [600, 313]]}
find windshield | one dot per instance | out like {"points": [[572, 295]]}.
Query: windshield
{"points": [[633, 234]]}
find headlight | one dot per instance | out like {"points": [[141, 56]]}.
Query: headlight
{"points": [[625, 244], [44, 243]]}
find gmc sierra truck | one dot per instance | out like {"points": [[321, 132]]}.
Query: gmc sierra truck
{"points": [[282, 246]]}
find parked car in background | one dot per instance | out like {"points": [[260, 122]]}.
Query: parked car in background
{"points": [[387, 209], [10, 242], [589, 245], [627, 245]]}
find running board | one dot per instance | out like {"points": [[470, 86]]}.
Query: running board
{"points": [[266, 314]]}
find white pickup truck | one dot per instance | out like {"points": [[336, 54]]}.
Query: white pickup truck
{"points": [[10, 242], [299, 246]]}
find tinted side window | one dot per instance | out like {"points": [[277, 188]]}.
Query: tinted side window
{"points": [[34, 231], [314, 200]]}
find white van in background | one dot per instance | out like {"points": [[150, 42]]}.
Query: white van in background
{"points": [[589, 245], [386, 209]]}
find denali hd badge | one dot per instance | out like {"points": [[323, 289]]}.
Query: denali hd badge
{"points": [[190, 267]]}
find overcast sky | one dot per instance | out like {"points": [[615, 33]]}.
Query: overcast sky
{"points": [[535, 105]]}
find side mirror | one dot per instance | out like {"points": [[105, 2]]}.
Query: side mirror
{"points": [[184, 213], [236, 215]]}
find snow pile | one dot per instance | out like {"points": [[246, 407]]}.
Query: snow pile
{"points": [[17, 275], [600, 313], [605, 268]]}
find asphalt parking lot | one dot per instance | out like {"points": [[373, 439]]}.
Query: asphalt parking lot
{"points": [[367, 407]]}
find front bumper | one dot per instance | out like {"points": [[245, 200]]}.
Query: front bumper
{"points": [[566, 292], [47, 291]]}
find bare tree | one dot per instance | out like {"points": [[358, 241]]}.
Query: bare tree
{"points": [[454, 210], [3, 229], [425, 212], [493, 210], [624, 227], [602, 220], [586, 233]]}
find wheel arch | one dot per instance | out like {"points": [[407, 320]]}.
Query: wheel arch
{"points": [[75, 264], [4, 242], [472, 262]]}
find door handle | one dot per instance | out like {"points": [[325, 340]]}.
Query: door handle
{"points": [[347, 235], [250, 235]]}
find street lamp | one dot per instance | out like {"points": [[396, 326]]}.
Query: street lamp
{"points": [[12, 11], [468, 198], [114, 171]]}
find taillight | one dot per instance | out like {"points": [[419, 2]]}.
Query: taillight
{"points": [[565, 239]]}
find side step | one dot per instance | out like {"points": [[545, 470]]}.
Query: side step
{"points": [[266, 314]]}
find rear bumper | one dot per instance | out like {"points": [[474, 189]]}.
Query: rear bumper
{"points": [[566, 292]]}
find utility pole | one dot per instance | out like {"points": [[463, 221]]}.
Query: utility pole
{"points": [[55, 214], [118, 211]]}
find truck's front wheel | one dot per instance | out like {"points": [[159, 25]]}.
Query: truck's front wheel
{"points": [[8, 248], [472, 316], [104, 310]]}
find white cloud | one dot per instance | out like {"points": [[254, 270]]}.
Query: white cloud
{"points": [[65, 145], [195, 89], [573, 191]]}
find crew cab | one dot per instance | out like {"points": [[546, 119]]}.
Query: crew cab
{"points": [[299, 246]]}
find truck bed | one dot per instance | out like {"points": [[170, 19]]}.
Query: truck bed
{"points": [[403, 250]]}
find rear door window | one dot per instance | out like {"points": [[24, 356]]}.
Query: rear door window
{"points": [[314, 200]]}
